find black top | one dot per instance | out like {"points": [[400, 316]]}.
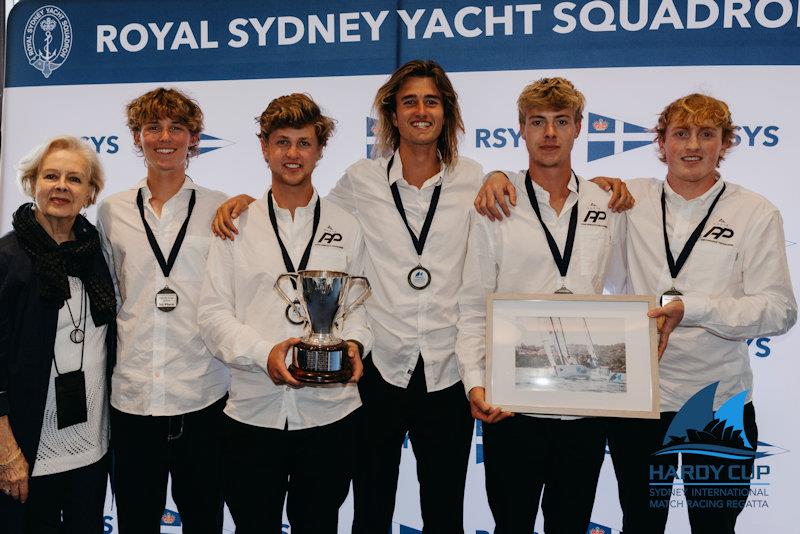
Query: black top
{"points": [[28, 326]]}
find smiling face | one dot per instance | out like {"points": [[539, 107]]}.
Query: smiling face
{"points": [[292, 154], [549, 136], [165, 144], [692, 152], [62, 186], [419, 115]]}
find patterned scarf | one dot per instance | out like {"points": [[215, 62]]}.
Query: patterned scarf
{"points": [[52, 263]]}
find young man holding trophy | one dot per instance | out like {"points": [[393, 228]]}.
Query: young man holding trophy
{"points": [[413, 201], [280, 437]]}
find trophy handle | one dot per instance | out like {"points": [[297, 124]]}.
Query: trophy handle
{"points": [[277, 286], [364, 294]]}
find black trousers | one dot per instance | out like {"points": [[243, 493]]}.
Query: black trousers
{"points": [[310, 468], [525, 456], [149, 448], [63, 503], [439, 425], [645, 507]]}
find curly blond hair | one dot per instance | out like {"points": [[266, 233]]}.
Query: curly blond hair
{"points": [[551, 93], [163, 103], [697, 109], [295, 111]]}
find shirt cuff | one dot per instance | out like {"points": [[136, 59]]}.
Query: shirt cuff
{"points": [[471, 380], [262, 348], [695, 307]]}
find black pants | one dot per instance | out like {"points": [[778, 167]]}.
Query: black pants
{"points": [[524, 456], [310, 468], [149, 448], [645, 507], [440, 428], [63, 503]]}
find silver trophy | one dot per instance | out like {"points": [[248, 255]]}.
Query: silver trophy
{"points": [[321, 357]]}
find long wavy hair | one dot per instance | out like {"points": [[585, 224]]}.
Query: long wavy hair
{"points": [[385, 106]]}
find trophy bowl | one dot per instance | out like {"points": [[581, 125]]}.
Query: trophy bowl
{"points": [[321, 357]]}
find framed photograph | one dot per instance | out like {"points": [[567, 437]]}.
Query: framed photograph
{"points": [[572, 354]]}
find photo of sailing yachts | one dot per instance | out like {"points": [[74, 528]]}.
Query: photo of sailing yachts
{"points": [[571, 354]]}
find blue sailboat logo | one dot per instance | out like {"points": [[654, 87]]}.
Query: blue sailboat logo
{"points": [[697, 429]]}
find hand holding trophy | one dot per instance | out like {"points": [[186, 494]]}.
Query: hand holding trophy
{"points": [[321, 357]]}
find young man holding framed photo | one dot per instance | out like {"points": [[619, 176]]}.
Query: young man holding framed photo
{"points": [[562, 239]]}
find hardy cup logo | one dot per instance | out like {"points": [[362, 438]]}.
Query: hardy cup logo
{"points": [[697, 429], [48, 39]]}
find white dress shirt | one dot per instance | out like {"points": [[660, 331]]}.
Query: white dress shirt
{"points": [[242, 316], [85, 443], [409, 322], [512, 256], [735, 283], [163, 366]]}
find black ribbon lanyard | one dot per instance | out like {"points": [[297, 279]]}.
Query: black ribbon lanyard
{"points": [[293, 314], [70, 387], [562, 262], [676, 266], [166, 265], [419, 243]]}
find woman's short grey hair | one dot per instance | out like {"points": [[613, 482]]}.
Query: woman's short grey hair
{"points": [[28, 167]]}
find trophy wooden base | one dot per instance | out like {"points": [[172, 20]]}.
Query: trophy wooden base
{"points": [[315, 364]]}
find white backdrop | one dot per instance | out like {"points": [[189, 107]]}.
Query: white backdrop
{"points": [[761, 91]]}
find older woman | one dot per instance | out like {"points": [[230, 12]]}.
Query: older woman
{"points": [[56, 340]]}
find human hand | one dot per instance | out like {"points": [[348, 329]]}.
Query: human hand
{"points": [[621, 199], [482, 410], [493, 194], [356, 364], [13, 465], [222, 225], [276, 363], [667, 317]]}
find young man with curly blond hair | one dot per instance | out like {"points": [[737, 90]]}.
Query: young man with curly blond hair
{"points": [[697, 240], [284, 441], [168, 390]]}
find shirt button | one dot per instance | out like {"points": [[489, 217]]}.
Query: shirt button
{"points": [[411, 371]]}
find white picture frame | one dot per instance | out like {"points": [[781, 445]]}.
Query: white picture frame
{"points": [[583, 355]]}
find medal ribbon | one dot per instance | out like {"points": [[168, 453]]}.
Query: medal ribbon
{"points": [[419, 243], [562, 262], [166, 265], [287, 261], [676, 266]]}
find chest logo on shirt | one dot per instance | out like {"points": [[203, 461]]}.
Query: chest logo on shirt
{"points": [[329, 237], [595, 216], [721, 233]]}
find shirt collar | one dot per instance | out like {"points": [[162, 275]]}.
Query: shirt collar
{"points": [[299, 211], [702, 200], [572, 185], [396, 172], [187, 184]]}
